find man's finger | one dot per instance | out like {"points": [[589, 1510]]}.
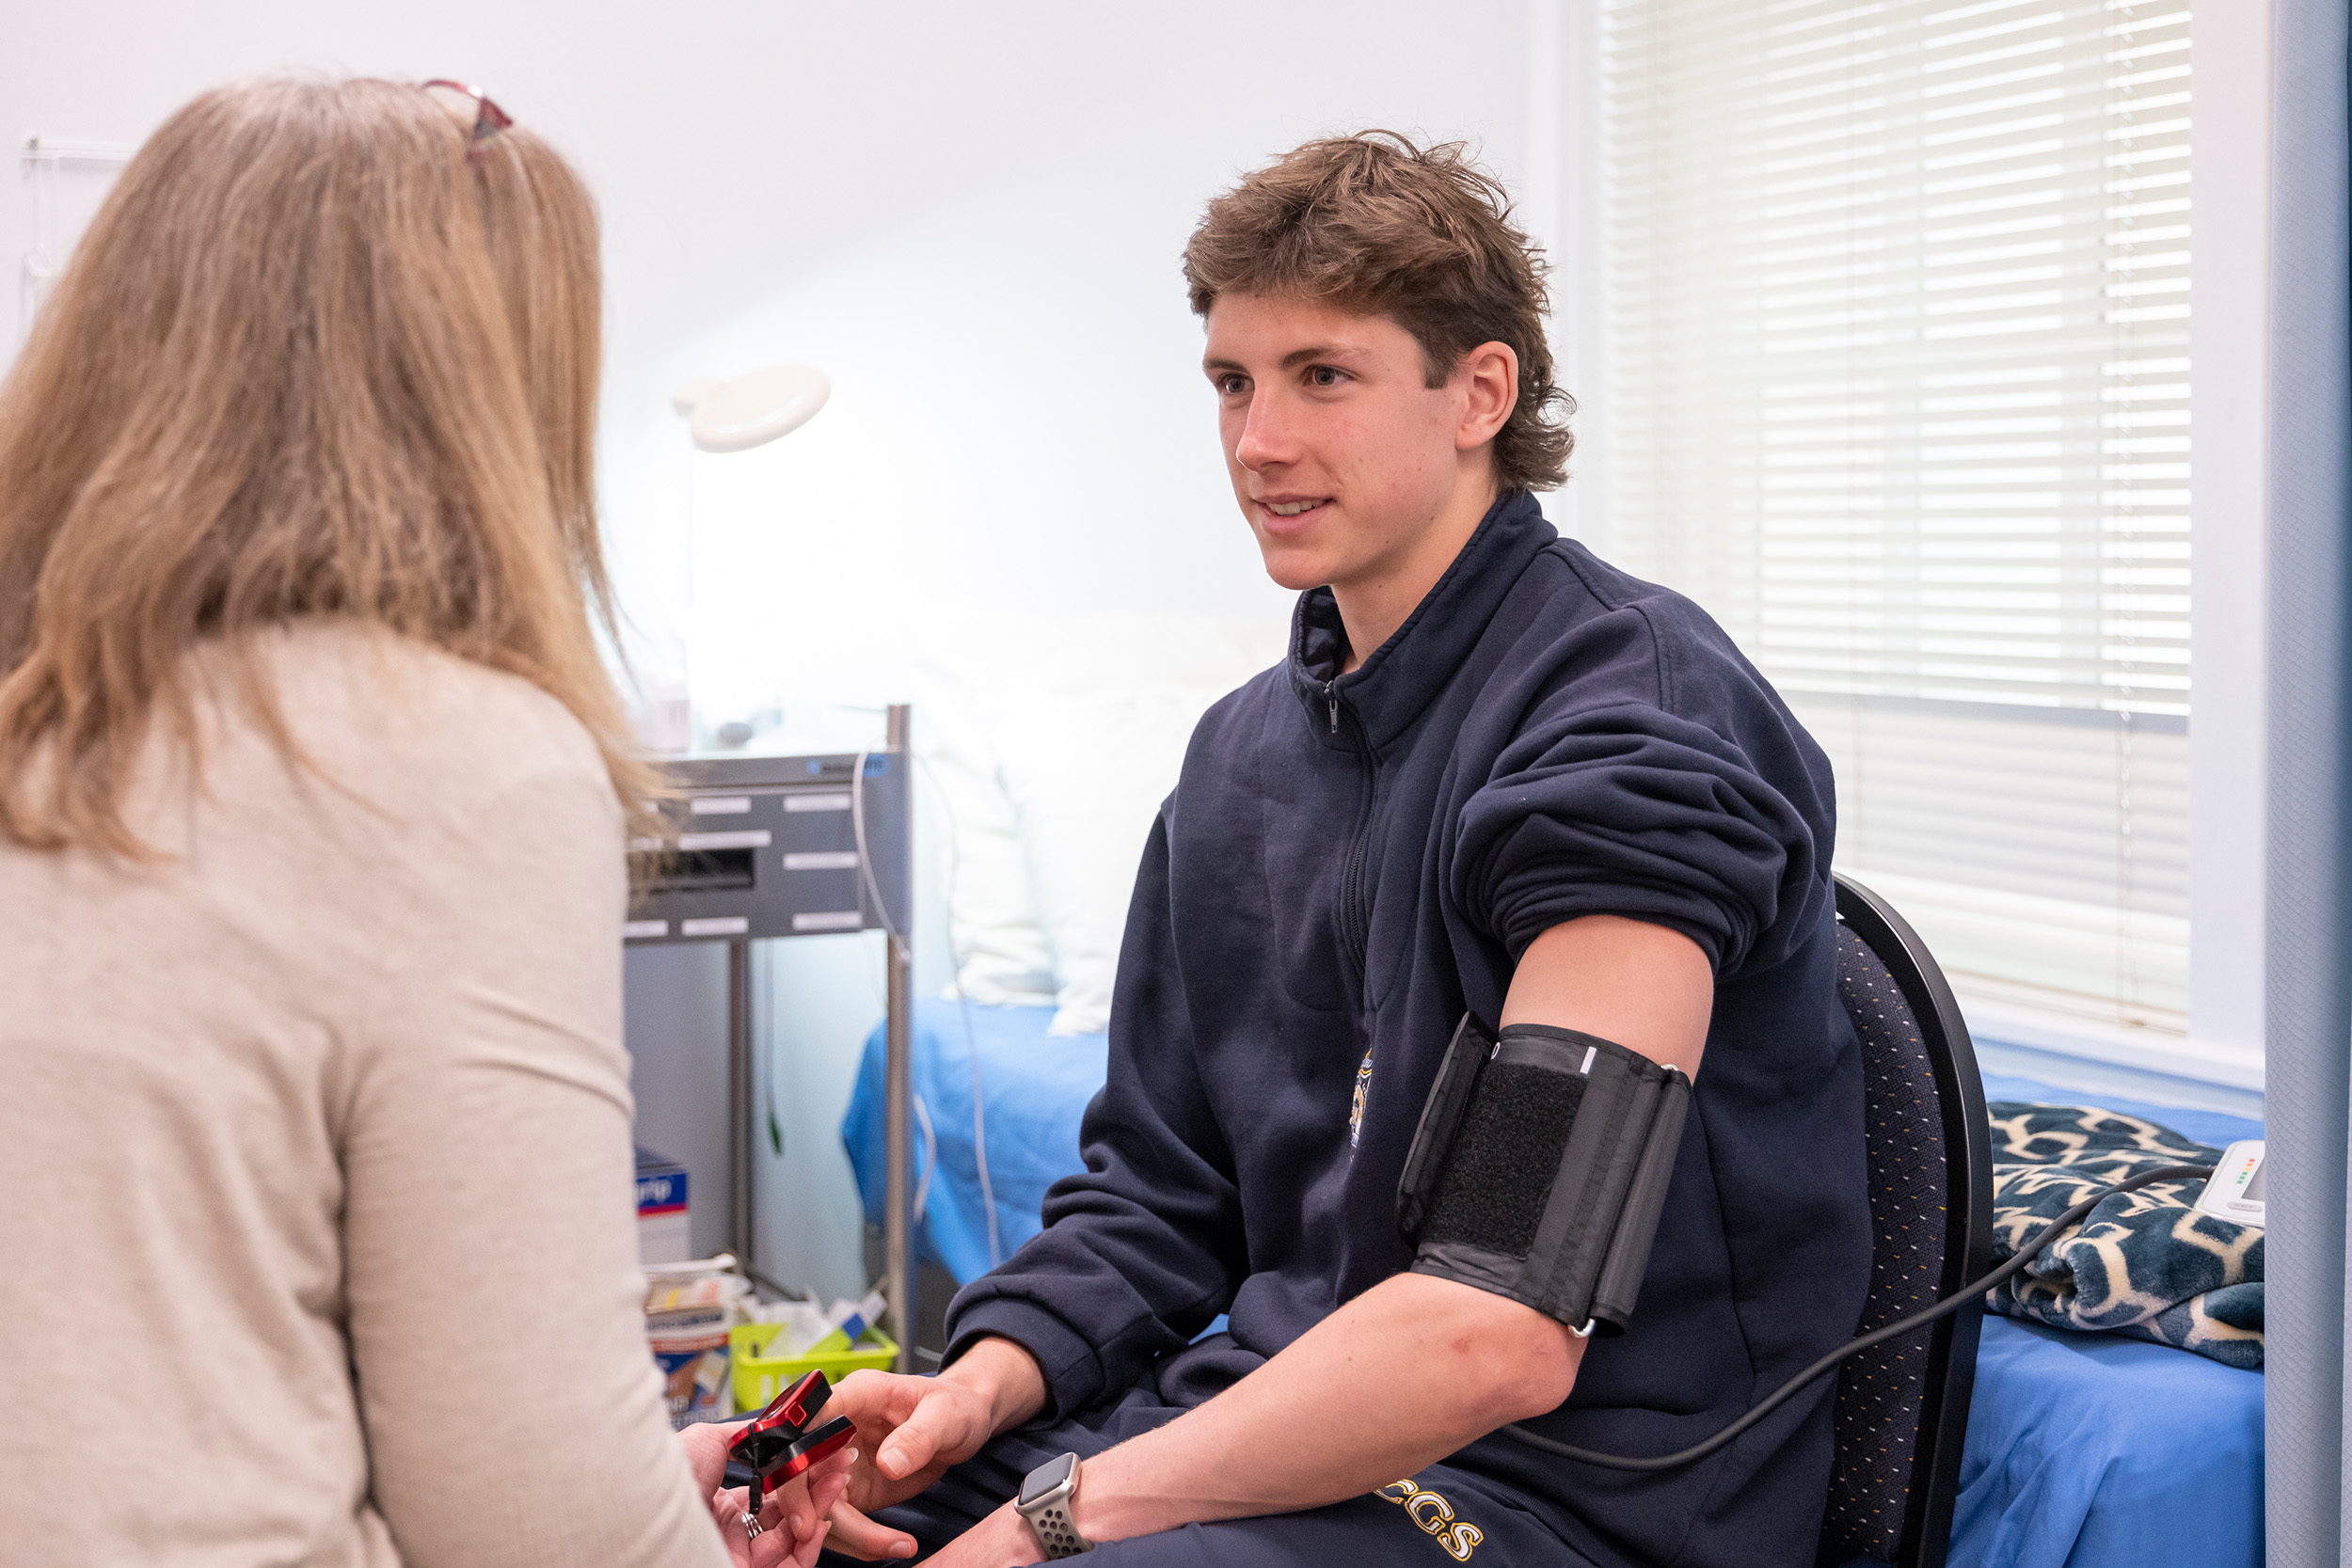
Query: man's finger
{"points": [[855, 1533], [937, 1427], [892, 1395]]}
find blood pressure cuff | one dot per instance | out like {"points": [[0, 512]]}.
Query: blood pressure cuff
{"points": [[1539, 1169]]}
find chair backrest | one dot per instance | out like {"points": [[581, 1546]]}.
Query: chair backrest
{"points": [[1901, 1408]]}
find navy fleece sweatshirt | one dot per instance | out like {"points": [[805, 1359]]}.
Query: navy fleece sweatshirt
{"points": [[1347, 865]]}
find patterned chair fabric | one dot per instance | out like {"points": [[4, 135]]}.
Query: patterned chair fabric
{"points": [[1882, 1391]]}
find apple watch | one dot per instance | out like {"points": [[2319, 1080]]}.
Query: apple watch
{"points": [[1045, 1503]]}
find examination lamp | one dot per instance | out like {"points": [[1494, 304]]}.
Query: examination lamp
{"points": [[752, 410], [726, 417]]}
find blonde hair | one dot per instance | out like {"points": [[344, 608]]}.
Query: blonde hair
{"points": [[312, 359]]}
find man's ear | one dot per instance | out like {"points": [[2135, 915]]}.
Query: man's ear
{"points": [[1489, 375]]}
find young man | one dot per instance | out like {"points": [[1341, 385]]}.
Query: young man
{"points": [[1497, 777]]}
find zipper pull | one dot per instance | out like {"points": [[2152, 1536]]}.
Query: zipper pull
{"points": [[1331, 695]]}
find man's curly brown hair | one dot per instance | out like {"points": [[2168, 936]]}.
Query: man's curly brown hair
{"points": [[1380, 226]]}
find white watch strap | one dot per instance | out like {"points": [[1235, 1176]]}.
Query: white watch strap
{"points": [[1056, 1534]]}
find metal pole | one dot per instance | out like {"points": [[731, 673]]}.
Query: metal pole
{"points": [[740, 1090], [2307, 938], [898, 1217]]}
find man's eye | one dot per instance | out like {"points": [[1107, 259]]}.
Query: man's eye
{"points": [[1230, 386], [1323, 375]]}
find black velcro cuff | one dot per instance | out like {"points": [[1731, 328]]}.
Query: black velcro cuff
{"points": [[1540, 1169]]}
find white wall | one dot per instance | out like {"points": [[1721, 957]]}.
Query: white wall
{"points": [[968, 216]]}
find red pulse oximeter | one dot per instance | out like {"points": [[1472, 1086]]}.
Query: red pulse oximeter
{"points": [[783, 1440]]}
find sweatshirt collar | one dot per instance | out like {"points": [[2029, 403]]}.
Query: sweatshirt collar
{"points": [[1388, 690]]}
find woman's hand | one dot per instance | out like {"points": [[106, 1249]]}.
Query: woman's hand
{"points": [[706, 1444], [792, 1520]]}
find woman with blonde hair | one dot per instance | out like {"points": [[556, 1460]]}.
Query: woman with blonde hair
{"points": [[312, 789]]}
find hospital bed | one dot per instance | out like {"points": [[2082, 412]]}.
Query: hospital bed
{"points": [[2084, 1450]]}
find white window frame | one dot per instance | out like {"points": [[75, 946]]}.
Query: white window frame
{"points": [[2220, 1062]]}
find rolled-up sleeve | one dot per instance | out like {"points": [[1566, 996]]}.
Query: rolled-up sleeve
{"points": [[1627, 809]]}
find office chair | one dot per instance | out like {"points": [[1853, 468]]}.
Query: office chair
{"points": [[1901, 1408]]}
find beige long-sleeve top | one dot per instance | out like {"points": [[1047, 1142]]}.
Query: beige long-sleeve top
{"points": [[318, 1246]]}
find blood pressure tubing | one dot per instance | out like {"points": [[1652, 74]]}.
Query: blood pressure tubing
{"points": [[1895, 1330]]}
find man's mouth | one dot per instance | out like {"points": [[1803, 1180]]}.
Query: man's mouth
{"points": [[1293, 508]]}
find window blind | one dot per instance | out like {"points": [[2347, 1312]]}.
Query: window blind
{"points": [[1897, 375]]}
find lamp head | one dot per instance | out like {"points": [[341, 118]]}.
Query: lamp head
{"points": [[752, 410]]}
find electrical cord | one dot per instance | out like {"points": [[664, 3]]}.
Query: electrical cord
{"points": [[980, 1129], [931, 1158], [906, 954], [971, 1044], [1895, 1330], [865, 861], [963, 1007]]}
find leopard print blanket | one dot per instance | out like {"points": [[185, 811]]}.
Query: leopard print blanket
{"points": [[2144, 1263]]}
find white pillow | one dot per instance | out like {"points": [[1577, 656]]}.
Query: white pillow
{"points": [[1087, 772], [1052, 763], [994, 938]]}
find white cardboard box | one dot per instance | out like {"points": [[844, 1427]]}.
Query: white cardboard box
{"points": [[664, 1234]]}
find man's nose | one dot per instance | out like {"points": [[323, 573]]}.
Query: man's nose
{"points": [[1266, 438]]}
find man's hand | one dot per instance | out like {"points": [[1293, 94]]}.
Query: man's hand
{"points": [[915, 1427], [1003, 1540], [792, 1520]]}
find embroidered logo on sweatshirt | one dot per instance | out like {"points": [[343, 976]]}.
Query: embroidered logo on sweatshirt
{"points": [[1458, 1538], [1356, 1110]]}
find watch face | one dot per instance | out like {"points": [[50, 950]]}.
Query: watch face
{"points": [[1048, 1477]]}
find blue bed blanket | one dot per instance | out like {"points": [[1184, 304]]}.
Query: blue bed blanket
{"points": [[2092, 1450], [2084, 1450], [1036, 1089]]}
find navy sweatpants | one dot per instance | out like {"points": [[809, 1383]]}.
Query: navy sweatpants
{"points": [[1437, 1518]]}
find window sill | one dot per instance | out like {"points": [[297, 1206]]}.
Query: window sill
{"points": [[2134, 1064]]}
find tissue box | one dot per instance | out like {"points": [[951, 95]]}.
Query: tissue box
{"points": [[663, 1233]]}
